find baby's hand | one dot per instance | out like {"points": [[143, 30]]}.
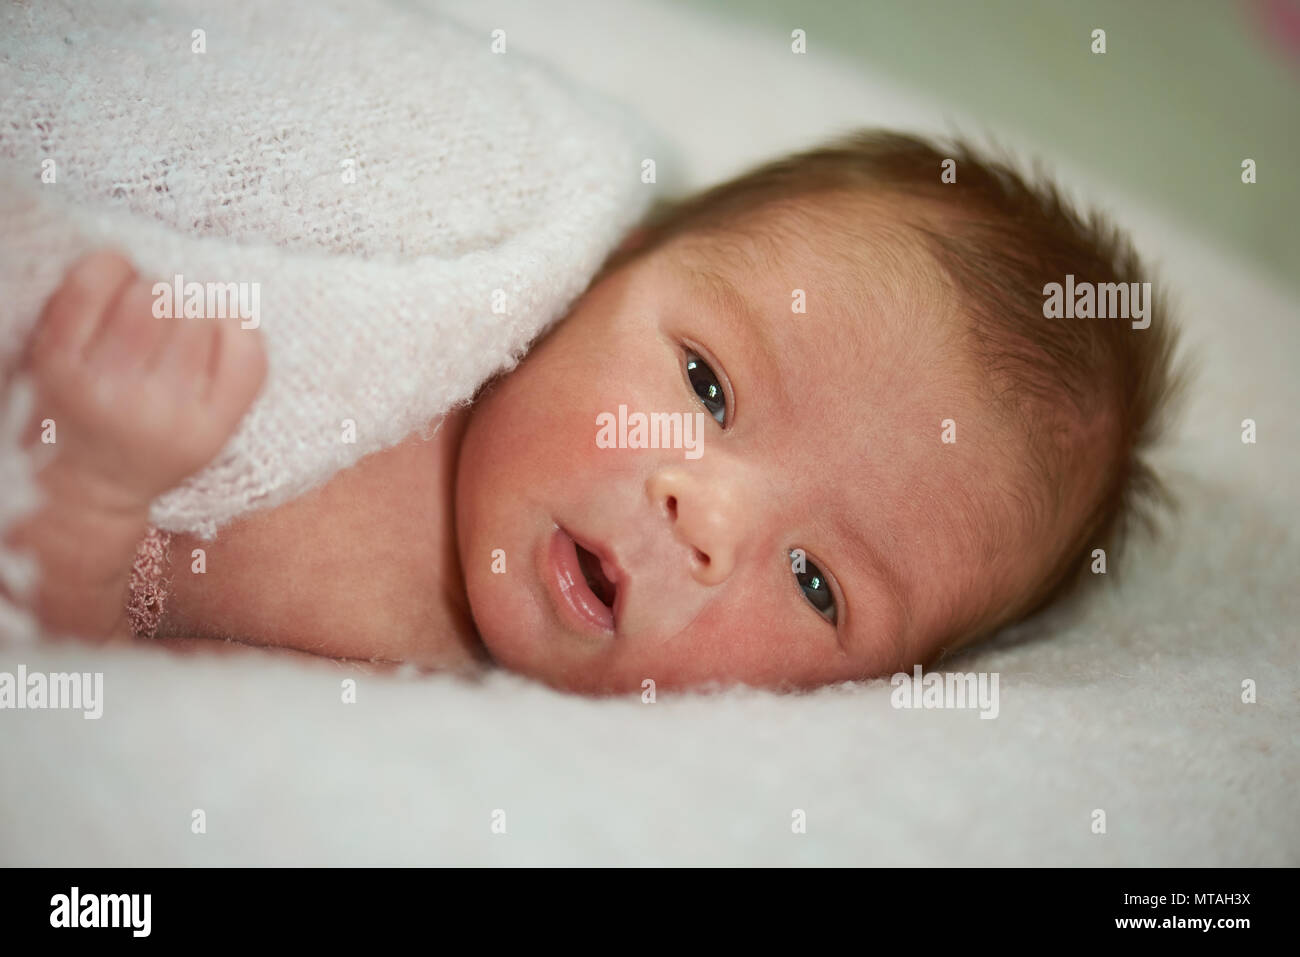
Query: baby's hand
{"points": [[139, 402]]}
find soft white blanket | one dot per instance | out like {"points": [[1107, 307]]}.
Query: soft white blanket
{"points": [[406, 207], [1129, 703]]}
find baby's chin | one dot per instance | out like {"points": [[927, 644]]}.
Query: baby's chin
{"points": [[523, 639], [528, 656], [519, 634]]}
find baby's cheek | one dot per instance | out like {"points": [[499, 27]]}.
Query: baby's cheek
{"points": [[736, 640]]}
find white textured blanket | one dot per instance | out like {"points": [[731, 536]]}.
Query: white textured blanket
{"points": [[406, 203]]}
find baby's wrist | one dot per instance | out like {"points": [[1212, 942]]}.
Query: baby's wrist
{"points": [[84, 537], [96, 496]]}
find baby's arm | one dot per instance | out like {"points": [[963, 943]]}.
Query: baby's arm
{"points": [[138, 403]]}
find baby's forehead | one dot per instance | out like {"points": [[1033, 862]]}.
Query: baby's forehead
{"points": [[824, 256], [842, 306]]}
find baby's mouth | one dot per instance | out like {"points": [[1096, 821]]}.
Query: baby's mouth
{"points": [[600, 585]]}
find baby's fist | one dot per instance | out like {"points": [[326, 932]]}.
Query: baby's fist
{"points": [[139, 402]]}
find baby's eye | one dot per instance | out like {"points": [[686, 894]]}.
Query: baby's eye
{"points": [[814, 584], [706, 386]]}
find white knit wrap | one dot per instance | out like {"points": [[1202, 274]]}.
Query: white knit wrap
{"points": [[487, 192]]}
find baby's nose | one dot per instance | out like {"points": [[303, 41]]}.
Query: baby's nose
{"points": [[706, 515]]}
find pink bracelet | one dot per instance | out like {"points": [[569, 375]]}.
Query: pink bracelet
{"points": [[149, 583]]}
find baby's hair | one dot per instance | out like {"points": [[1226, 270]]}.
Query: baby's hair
{"points": [[999, 237]]}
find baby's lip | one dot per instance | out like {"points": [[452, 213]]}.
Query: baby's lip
{"points": [[573, 597], [608, 564]]}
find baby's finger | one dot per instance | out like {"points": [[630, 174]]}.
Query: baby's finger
{"points": [[239, 369], [183, 365], [74, 311], [130, 334]]}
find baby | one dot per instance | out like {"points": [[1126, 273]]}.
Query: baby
{"points": [[903, 446]]}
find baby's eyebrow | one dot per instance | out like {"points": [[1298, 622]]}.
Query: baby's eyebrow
{"points": [[747, 324], [738, 310]]}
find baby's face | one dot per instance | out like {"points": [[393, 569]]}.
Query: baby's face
{"points": [[819, 529]]}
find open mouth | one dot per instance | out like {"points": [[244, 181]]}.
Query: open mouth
{"points": [[583, 585], [601, 586]]}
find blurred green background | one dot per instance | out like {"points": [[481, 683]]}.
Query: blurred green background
{"points": [[1186, 90]]}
